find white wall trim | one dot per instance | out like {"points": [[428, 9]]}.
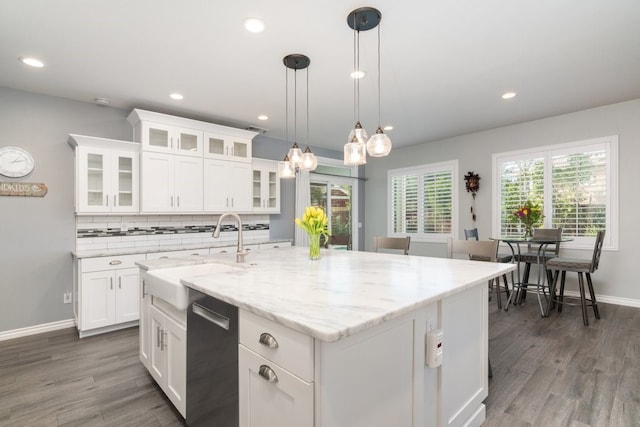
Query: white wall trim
{"points": [[37, 329], [628, 302]]}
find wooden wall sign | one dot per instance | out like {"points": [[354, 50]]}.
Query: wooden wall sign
{"points": [[24, 189]]}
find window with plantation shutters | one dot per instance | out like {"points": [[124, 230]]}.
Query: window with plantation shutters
{"points": [[422, 202], [575, 184]]}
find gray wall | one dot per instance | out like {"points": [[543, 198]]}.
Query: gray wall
{"points": [[37, 234], [616, 277]]}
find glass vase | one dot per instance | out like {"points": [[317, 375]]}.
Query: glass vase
{"points": [[314, 246], [528, 231]]}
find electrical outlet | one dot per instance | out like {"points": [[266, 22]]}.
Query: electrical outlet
{"points": [[67, 298]]}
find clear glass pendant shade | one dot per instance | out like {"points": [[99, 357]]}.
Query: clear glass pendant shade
{"points": [[379, 145], [355, 153], [295, 154], [286, 169], [309, 160], [359, 133]]}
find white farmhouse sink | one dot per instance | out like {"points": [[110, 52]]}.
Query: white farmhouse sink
{"points": [[165, 283]]}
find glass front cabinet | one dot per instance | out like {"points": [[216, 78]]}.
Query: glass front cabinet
{"points": [[266, 186], [106, 175]]}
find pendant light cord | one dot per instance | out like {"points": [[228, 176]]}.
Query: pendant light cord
{"points": [[355, 70], [295, 106], [379, 121], [286, 103], [308, 142]]}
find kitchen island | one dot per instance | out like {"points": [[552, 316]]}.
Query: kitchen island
{"points": [[351, 333]]}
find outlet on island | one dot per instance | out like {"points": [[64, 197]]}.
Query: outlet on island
{"points": [[66, 298]]}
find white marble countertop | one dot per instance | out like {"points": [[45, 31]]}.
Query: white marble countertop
{"points": [[341, 294]]}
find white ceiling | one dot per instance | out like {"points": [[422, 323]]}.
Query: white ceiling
{"points": [[444, 63]]}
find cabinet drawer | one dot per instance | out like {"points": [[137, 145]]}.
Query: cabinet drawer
{"points": [[178, 254], [291, 349], [270, 395], [110, 262]]}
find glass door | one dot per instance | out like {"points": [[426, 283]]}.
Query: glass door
{"points": [[335, 196]]}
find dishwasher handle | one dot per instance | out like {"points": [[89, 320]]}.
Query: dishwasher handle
{"points": [[211, 316]]}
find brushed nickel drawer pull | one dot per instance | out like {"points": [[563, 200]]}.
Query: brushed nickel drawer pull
{"points": [[268, 340], [268, 374], [115, 262]]}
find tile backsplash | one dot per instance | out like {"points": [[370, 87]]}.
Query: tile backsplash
{"points": [[163, 231]]}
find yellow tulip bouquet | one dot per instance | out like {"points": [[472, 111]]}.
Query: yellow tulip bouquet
{"points": [[314, 222]]}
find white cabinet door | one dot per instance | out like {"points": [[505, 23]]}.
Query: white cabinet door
{"points": [[266, 186], [157, 362], [176, 363], [188, 184], [124, 181], [157, 182], [271, 396], [227, 186], [127, 303], [97, 300], [144, 327]]}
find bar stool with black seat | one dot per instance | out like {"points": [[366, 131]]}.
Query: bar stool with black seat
{"points": [[390, 244], [532, 254], [581, 266], [472, 234]]}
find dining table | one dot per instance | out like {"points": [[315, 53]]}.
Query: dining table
{"points": [[542, 244]]}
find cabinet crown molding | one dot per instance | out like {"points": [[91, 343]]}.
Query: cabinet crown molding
{"points": [[97, 142], [136, 116]]}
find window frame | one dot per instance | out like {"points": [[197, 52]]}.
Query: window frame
{"points": [[420, 170], [610, 144]]}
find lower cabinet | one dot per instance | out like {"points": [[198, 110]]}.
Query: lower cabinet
{"points": [[107, 293], [167, 361]]}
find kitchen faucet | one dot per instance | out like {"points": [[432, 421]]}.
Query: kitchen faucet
{"points": [[240, 254]]}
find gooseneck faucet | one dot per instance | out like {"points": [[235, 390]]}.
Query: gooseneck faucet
{"points": [[240, 254]]}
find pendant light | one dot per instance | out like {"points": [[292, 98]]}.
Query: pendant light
{"points": [[296, 158], [355, 150], [379, 145]]}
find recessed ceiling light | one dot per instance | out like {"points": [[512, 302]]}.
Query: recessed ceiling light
{"points": [[509, 95], [388, 127], [263, 117], [358, 74], [176, 96], [254, 25], [33, 62]]}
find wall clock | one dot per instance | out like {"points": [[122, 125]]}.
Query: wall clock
{"points": [[15, 162]]}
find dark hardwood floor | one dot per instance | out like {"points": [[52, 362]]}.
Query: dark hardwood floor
{"points": [[555, 371], [57, 379], [546, 372]]}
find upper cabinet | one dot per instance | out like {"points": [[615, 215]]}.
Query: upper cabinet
{"points": [[226, 147], [171, 139], [265, 186], [171, 182], [106, 175]]}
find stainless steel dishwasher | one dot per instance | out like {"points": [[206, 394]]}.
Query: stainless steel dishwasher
{"points": [[212, 362]]}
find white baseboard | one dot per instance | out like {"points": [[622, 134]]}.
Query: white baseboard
{"points": [[37, 329], [607, 299]]}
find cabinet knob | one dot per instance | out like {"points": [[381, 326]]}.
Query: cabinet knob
{"points": [[268, 340], [268, 374]]}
